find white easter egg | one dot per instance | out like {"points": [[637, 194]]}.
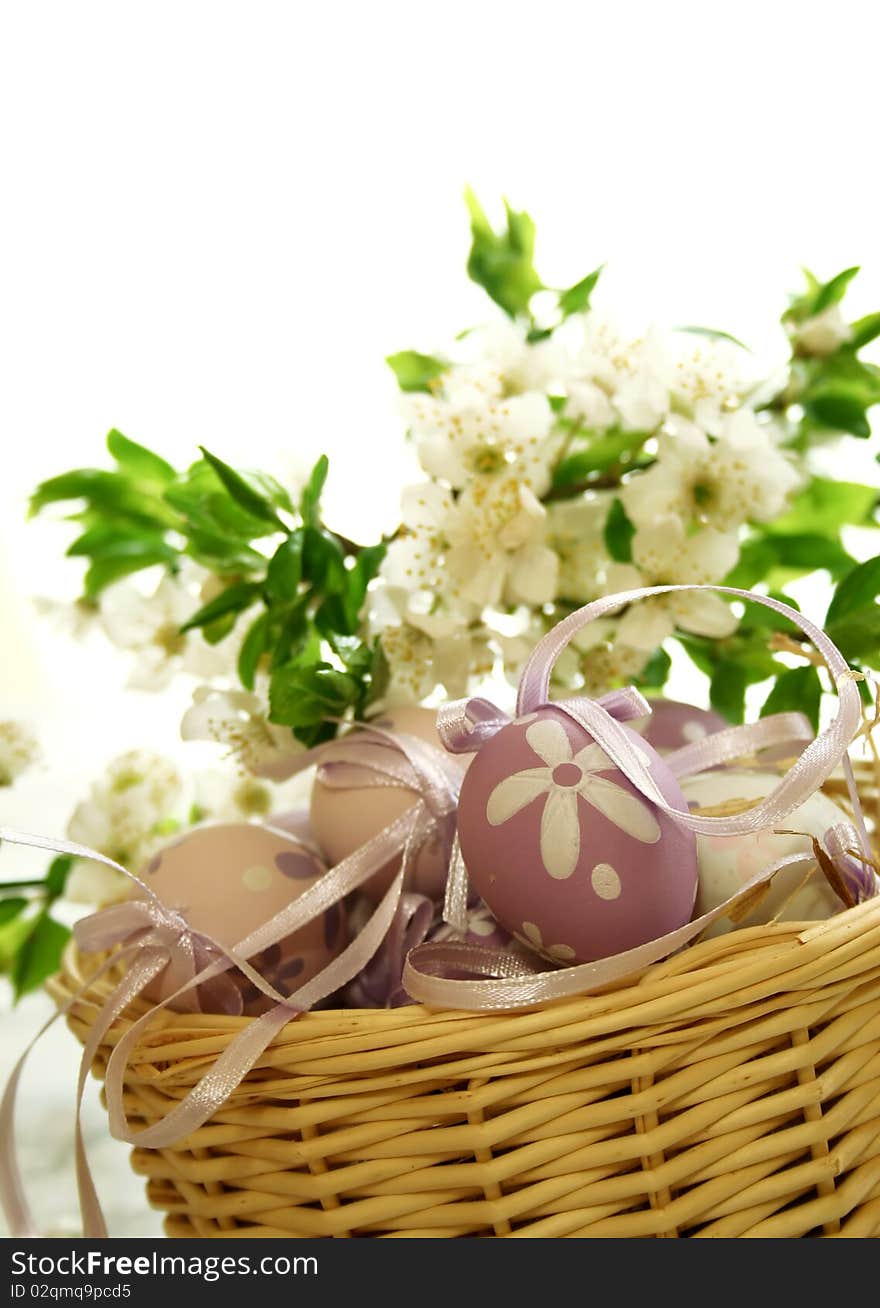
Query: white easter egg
{"points": [[728, 862]]}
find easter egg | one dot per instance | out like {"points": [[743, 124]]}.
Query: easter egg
{"points": [[569, 856], [228, 878], [342, 820], [728, 862], [481, 928], [673, 725]]}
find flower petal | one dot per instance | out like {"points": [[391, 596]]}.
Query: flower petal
{"points": [[560, 833], [549, 741], [592, 758], [513, 793], [626, 811]]}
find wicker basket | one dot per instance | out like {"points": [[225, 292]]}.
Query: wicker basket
{"points": [[733, 1090]]}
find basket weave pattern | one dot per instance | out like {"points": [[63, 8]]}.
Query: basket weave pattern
{"points": [[733, 1090]]}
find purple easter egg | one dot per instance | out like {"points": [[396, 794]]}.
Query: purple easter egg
{"points": [[569, 856], [673, 725], [481, 929]]}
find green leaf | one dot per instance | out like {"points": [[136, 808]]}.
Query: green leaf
{"points": [[839, 410], [243, 490], [223, 555], [205, 503], [310, 500], [795, 690], [859, 588], [864, 330], [818, 296], [284, 573], [502, 262], [234, 599], [756, 558], [727, 690], [713, 334], [577, 298], [829, 505], [303, 696], [758, 617], [857, 636], [140, 462], [414, 371], [111, 492], [602, 453], [703, 653], [833, 291], [323, 562], [109, 538], [56, 877], [619, 532], [11, 908], [654, 674], [253, 648], [39, 955], [125, 558], [853, 617], [806, 552]]}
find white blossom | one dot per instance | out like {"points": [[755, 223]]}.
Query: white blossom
{"points": [[149, 626], [239, 720], [575, 533], [646, 623], [18, 750], [740, 477], [131, 810], [417, 664], [457, 442], [822, 334], [665, 552]]}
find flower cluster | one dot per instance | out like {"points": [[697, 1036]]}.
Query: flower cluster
{"points": [[142, 800], [528, 449]]}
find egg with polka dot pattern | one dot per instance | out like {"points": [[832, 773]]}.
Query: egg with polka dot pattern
{"points": [[673, 725], [226, 879], [567, 853]]}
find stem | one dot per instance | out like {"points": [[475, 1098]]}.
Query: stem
{"points": [[21, 885]]}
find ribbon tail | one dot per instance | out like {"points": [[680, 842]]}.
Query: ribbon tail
{"points": [[12, 1197], [433, 972], [456, 898], [240, 1055]]}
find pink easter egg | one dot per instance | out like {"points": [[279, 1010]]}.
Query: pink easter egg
{"points": [[228, 878], [569, 856], [673, 725], [345, 819]]}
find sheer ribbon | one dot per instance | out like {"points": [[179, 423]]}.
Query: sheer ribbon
{"points": [[148, 937], [463, 976]]}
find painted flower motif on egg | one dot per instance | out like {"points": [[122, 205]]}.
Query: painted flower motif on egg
{"points": [[227, 879], [569, 856]]}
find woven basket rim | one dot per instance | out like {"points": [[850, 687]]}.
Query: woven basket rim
{"points": [[747, 953]]}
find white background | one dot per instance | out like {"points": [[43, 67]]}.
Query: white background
{"points": [[218, 218]]}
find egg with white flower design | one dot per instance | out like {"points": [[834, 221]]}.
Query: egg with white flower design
{"points": [[567, 853], [226, 879]]}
